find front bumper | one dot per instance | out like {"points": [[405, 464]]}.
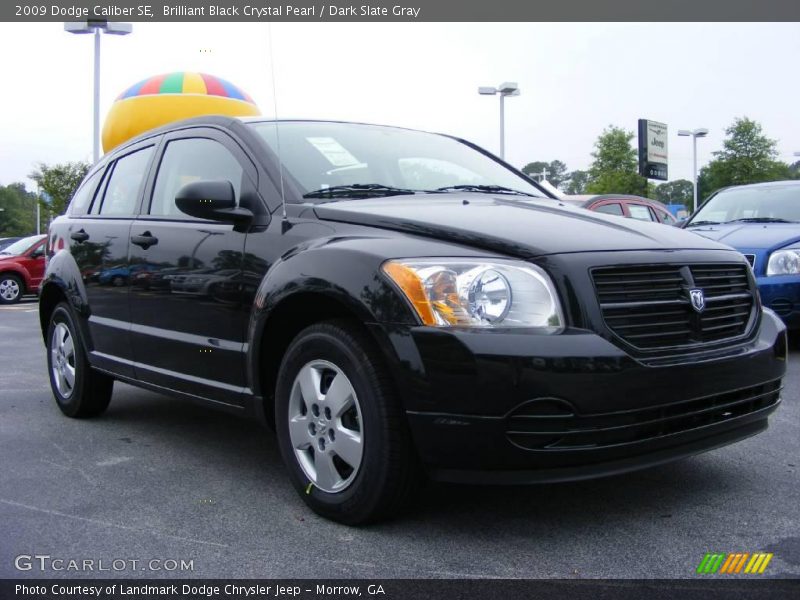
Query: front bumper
{"points": [[781, 293], [518, 407]]}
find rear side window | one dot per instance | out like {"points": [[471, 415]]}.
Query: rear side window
{"points": [[665, 217], [613, 208], [122, 189], [188, 160], [640, 212], [82, 198]]}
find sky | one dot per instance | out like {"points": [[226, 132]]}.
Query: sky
{"points": [[575, 79]]}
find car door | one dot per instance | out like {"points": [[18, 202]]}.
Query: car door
{"points": [[188, 318], [98, 235], [34, 264]]}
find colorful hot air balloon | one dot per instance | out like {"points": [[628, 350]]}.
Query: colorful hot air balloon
{"points": [[171, 97]]}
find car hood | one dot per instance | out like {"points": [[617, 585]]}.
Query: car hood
{"points": [[11, 257], [524, 228], [752, 236]]}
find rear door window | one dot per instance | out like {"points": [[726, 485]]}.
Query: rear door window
{"points": [[79, 205], [122, 190], [640, 212]]}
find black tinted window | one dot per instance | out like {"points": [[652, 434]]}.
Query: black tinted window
{"points": [[82, 198], [191, 160], [122, 189], [611, 209]]}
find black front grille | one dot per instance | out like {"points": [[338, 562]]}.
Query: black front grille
{"points": [[537, 426], [650, 306]]}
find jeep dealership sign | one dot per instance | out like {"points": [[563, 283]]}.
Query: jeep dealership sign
{"points": [[652, 149]]}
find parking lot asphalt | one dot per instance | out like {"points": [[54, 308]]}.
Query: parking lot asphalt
{"points": [[158, 478]]}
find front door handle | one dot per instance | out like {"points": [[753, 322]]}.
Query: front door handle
{"points": [[79, 236], [145, 240]]}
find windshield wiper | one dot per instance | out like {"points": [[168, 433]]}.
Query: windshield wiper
{"points": [[761, 220], [492, 189], [359, 189], [693, 223]]}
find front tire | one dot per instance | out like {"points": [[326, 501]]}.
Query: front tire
{"points": [[79, 390], [11, 288], [341, 432]]}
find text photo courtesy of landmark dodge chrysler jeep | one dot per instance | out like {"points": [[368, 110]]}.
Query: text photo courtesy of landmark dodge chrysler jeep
{"points": [[415, 307]]}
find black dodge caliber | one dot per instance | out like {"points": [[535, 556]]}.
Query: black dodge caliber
{"points": [[396, 303]]}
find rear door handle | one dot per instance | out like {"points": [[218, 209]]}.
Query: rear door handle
{"points": [[79, 236], [145, 240]]}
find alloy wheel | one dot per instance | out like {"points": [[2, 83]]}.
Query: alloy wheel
{"points": [[62, 360], [9, 289], [325, 426]]}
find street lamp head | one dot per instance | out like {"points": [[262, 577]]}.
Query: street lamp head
{"points": [[91, 25], [78, 27], [684, 132], [115, 28], [487, 91], [509, 88], [702, 132]]}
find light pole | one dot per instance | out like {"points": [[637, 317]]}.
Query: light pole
{"points": [[697, 133], [509, 88], [96, 27]]}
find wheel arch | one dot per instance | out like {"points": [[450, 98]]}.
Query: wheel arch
{"points": [[335, 278], [284, 322], [62, 282]]}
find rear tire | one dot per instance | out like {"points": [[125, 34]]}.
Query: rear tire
{"points": [[12, 288], [79, 390], [342, 434]]}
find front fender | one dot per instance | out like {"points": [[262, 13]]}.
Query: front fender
{"points": [[341, 271]]}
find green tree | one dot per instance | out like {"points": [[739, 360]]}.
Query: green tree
{"points": [[577, 182], [556, 171], [18, 214], [747, 156], [679, 191], [59, 182], [615, 166]]}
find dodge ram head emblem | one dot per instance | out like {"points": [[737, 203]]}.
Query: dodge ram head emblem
{"points": [[698, 300]]}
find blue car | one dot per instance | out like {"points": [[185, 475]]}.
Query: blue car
{"points": [[762, 221]]}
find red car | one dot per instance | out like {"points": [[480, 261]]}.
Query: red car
{"points": [[21, 268], [633, 207]]}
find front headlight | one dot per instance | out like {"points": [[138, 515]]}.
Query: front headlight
{"points": [[449, 292], [784, 262]]}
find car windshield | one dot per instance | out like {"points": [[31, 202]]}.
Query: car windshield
{"points": [[768, 204], [329, 160], [21, 246]]}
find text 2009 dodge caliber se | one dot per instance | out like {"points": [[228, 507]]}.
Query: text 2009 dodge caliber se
{"points": [[419, 307]]}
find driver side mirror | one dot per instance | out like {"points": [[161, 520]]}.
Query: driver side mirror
{"points": [[211, 200]]}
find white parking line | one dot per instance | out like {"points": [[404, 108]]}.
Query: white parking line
{"points": [[19, 308]]}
